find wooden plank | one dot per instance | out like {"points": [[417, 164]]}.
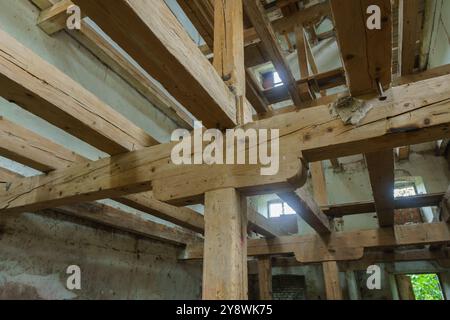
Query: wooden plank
{"points": [[418, 201], [225, 256], [307, 208], [381, 172], [409, 22], [265, 278], [255, 12], [416, 113], [43, 90], [37, 152], [120, 220], [319, 183], [366, 54], [160, 45], [333, 289], [340, 246]]}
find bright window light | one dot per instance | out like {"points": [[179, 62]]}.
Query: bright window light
{"points": [[277, 80]]}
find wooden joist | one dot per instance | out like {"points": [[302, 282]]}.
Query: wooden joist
{"points": [[418, 201], [164, 49], [261, 224], [381, 172], [54, 19], [340, 246], [263, 27], [40, 88], [366, 54], [37, 152], [121, 220], [308, 209], [416, 113]]}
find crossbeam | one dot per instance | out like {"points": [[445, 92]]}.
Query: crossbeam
{"points": [[340, 246], [416, 113]]}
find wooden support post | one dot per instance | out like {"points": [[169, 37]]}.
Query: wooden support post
{"points": [[444, 278], [319, 183], [405, 288], [393, 286], [352, 285], [265, 278], [331, 277], [225, 249], [381, 171]]}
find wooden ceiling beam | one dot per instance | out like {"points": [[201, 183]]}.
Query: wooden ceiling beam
{"points": [[54, 19], [161, 46], [120, 220], [28, 148], [340, 246], [416, 113], [305, 206], [263, 27], [366, 54], [40, 88], [418, 201]]}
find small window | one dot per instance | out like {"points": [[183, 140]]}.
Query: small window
{"points": [[279, 208], [405, 189]]}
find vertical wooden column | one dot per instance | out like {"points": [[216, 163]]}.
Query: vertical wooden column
{"points": [[352, 285], [265, 278], [381, 172], [331, 277], [393, 286], [225, 252], [444, 278], [229, 52], [319, 183], [405, 288]]}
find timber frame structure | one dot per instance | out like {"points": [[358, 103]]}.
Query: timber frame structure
{"points": [[223, 93]]}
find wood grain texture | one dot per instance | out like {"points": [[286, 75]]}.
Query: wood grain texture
{"points": [[340, 246], [366, 54], [164, 49], [381, 172], [225, 255], [333, 289]]}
